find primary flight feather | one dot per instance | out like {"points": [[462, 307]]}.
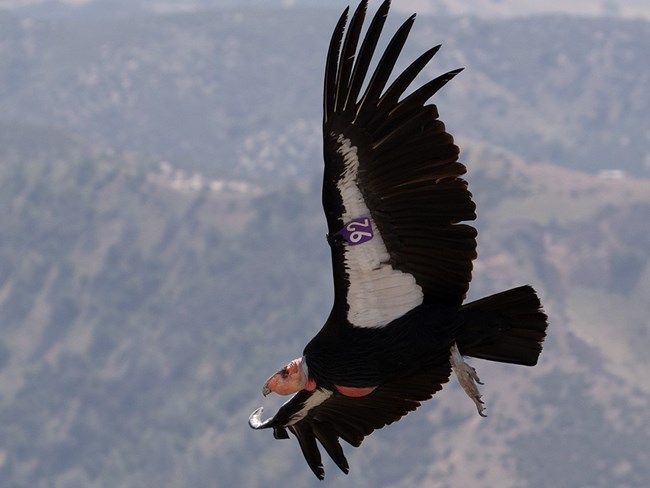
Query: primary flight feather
{"points": [[395, 202]]}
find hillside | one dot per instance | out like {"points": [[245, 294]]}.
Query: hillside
{"points": [[222, 91], [141, 312], [162, 250]]}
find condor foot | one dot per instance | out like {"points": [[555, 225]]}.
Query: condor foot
{"points": [[467, 378]]}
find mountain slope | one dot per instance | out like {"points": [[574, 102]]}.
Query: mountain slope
{"points": [[222, 91], [139, 322]]}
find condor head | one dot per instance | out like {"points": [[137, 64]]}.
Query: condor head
{"points": [[290, 379]]}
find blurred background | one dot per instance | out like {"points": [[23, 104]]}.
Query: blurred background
{"points": [[162, 245]]}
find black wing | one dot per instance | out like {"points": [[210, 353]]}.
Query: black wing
{"points": [[392, 191], [328, 416]]}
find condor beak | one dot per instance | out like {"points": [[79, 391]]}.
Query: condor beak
{"points": [[271, 384]]}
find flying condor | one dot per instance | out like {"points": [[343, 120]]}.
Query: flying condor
{"points": [[395, 202]]}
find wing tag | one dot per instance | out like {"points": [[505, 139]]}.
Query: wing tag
{"points": [[357, 231]]}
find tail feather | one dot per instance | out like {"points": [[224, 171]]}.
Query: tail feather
{"points": [[507, 327]]}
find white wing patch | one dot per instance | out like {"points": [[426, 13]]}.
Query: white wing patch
{"points": [[318, 396], [378, 293]]}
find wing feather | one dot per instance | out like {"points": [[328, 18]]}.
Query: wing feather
{"points": [[331, 77], [404, 80], [367, 106], [326, 435], [366, 52], [333, 416], [348, 52], [389, 157], [307, 440]]}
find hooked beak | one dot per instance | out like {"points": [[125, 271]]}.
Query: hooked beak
{"points": [[266, 389]]}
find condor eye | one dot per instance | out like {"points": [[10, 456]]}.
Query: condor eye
{"points": [[284, 372]]}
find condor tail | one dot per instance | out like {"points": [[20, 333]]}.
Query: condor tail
{"points": [[508, 327]]}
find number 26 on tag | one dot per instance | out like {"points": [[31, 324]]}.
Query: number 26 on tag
{"points": [[359, 231]]}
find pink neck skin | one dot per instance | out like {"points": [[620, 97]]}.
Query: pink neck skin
{"points": [[310, 384], [351, 391]]}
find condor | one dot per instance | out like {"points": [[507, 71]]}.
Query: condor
{"points": [[395, 202]]}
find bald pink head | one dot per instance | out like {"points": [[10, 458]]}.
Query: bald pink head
{"points": [[290, 379]]}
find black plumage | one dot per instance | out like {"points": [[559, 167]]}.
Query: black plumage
{"points": [[396, 206]]}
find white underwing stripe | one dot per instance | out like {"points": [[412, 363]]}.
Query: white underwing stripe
{"points": [[377, 293], [317, 397]]}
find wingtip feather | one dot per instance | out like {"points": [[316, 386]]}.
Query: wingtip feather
{"points": [[331, 66]]}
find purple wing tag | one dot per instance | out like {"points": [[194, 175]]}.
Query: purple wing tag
{"points": [[357, 231]]}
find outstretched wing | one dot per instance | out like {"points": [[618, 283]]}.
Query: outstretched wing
{"points": [[328, 416], [392, 189]]}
